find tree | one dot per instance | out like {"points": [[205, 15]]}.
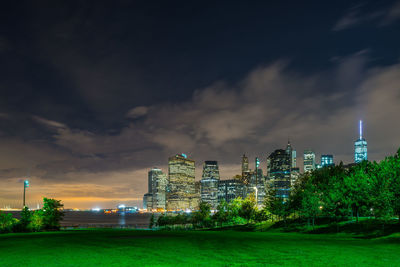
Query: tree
{"points": [[7, 222], [394, 184], [36, 223], [152, 221], [52, 213], [222, 214], [248, 208], [358, 187], [381, 195], [310, 205], [276, 205], [202, 217], [26, 219], [234, 207]]}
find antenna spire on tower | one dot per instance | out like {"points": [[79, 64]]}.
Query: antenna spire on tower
{"points": [[360, 129]]}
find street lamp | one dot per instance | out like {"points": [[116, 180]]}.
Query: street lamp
{"points": [[255, 188], [26, 185]]}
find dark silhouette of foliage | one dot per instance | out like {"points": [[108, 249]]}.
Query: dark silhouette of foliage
{"points": [[52, 213], [248, 208]]}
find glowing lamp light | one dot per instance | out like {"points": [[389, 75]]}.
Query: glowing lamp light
{"points": [[26, 183]]}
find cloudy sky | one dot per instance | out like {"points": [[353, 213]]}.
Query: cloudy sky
{"points": [[94, 94]]}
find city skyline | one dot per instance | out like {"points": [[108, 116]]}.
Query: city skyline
{"points": [[282, 175], [151, 199], [93, 96]]}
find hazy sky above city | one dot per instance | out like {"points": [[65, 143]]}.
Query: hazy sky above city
{"points": [[94, 94]]}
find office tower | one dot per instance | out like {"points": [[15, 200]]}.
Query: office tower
{"points": [[209, 183], [294, 175], [292, 153], [194, 200], [148, 201], [158, 188], [257, 180], [181, 183], [360, 147], [294, 159], [245, 163], [149, 182], [254, 177], [278, 164], [245, 170], [326, 161], [309, 160], [230, 189]]}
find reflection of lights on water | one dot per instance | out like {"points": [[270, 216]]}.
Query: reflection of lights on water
{"points": [[121, 218]]}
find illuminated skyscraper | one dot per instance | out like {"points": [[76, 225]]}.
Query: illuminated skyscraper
{"points": [[292, 153], [158, 188], [230, 189], [181, 185], [245, 163], [309, 160], [278, 164], [360, 147], [209, 183], [154, 199], [294, 175], [245, 170], [326, 160], [148, 201]]}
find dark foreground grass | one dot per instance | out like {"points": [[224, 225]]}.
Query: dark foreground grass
{"points": [[194, 248]]}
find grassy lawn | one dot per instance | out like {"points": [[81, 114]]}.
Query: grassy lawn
{"points": [[194, 248]]}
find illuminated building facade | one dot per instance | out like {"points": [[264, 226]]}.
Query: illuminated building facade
{"points": [[181, 193], [294, 175], [292, 153], [209, 183], [326, 161], [158, 188], [279, 166], [246, 173], [148, 201], [257, 180], [309, 160], [230, 189], [360, 147]]}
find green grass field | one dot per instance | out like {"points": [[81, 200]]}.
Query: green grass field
{"points": [[195, 248]]}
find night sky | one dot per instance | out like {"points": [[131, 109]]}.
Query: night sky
{"points": [[95, 93]]}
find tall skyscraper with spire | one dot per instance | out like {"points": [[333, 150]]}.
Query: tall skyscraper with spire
{"points": [[360, 147]]}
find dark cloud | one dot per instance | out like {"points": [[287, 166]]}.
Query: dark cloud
{"points": [[137, 112], [356, 16]]}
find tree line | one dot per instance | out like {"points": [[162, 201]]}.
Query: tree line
{"points": [[336, 193], [367, 189], [47, 218]]}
